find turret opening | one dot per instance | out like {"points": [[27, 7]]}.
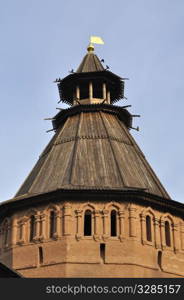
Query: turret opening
{"points": [[91, 91], [84, 90], [98, 91]]}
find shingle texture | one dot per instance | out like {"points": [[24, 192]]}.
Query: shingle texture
{"points": [[92, 150], [90, 63]]}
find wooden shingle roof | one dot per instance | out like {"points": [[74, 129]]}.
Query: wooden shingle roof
{"points": [[90, 63], [92, 150]]}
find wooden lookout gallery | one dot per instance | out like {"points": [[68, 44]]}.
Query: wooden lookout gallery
{"points": [[92, 206]]}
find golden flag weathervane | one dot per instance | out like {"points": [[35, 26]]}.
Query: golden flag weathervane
{"points": [[94, 40]]}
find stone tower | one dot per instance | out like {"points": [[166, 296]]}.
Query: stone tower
{"points": [[92, 205]]}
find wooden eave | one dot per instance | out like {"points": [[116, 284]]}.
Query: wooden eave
{"points": [[122, 113], [134, 196]]}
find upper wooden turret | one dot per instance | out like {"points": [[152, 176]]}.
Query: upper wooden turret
{"points": [[91, 83]]}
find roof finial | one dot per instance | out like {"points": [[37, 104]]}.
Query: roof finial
{"points": [[90, 48], [94, 40]]}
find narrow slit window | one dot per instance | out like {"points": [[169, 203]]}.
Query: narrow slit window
{"points": [[102, 252], [160, 259], [52, 223], [32, 228], [113, 223], [40, 250], [167, 234], [148, 229], [6, 234], [87, 223], [20, 231]]}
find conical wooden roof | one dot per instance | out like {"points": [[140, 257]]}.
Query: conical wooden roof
{"points": [[92, 150], [90, 63]]}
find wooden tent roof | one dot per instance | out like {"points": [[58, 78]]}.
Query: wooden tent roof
{"points": [[92, 150], [90, 63]]}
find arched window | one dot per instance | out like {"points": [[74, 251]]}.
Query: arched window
{"points": [[167, 234], [32, 228], [113, 223], [88, 223], [52, 223], [148, 229]]}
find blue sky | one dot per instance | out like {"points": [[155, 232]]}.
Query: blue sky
{"points": [[42, 40]]}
